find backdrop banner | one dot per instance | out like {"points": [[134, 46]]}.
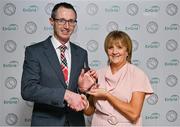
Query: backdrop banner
{"points": [[154, 26]]}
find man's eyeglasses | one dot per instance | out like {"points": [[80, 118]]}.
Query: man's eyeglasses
{"points": [[62, 21]]}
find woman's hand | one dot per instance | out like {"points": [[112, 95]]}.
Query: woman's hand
{"points": [[98, 93]]}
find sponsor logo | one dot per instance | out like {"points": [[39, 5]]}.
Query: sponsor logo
{"points": [[27, 120], [31, 8], [113, 8], [92, 9], [155, 80], [172, 98], [132, 9], [92, 46], [152, 9], [171, 80], [48, 28], [11, 64], [133, 27], [171, 116], [93, 27], [9, 9], [171, 45], [173, 62], [112, 26], [152, 27], [11, 119], [153, 116], [153, 99], [95, 64], [135, 45], [152, 45], [48, 8], [10, 46], [152, 63], [30, 27], [171, 9], [10, 83], [11, 27], [12, 100], [136, 62], [172, 27]]}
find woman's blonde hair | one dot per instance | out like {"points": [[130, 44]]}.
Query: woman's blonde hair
{"points": [[119, 38]]}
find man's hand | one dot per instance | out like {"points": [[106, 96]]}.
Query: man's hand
{"points": [[87, 80], [75, 101]]}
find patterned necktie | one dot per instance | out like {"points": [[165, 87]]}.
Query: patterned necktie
{"points": [[64, 66]]}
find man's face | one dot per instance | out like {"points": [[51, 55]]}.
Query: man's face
{"points": [[64, 24]]}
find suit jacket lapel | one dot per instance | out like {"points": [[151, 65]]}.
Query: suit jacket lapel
{"points": [[53, 60], [74, 63]]}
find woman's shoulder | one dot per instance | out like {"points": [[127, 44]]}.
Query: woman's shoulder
{"points": [[136, 70]]}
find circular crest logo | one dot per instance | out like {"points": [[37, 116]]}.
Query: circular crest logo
{"points": [[135, 45], [132, 9], [11, 119], [30, 27], [152, 63], [153, 99], [152, 27], [10, 46], [171, 80], [171, 9], [10, 83], [171, 116], [48, 8], [112, 26], [9, 9], [92, 45], [171, 45], [92, 9]]}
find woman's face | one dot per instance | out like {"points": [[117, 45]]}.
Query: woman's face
{"points": [[117, 54]]}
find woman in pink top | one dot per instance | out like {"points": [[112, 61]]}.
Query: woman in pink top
{"points": [[119, 99]]}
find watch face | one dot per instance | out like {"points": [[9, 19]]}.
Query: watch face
{"points": [[112, 26], [11, 119], [171, 9], [10, 46], [152, 27], [171, 116], [132, 9], [92, 9], [9, 9], [48, 8], [171, 45], [92, 45], [171, 80], [153, 99], [30, 27], [152, 63], [11, 83], [135, 45]]}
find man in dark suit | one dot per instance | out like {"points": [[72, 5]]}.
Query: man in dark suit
{"points": [[55, 95]]}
